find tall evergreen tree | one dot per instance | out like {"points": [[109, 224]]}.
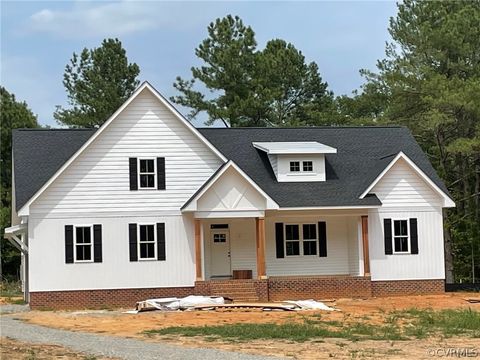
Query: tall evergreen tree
{"points": [[97, 81], [249, 87], [13, 115], [430, 82]]}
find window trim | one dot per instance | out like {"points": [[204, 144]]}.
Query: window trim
{"points": [[301, 239], [409, 247], [154, 173], [155, 249], [92, 255], [301, 165]]}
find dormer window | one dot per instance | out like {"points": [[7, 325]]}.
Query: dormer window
{"points": [[296, 161], [294, 166], [308, 166]]}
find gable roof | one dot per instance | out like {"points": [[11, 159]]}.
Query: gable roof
{"points": [[191, 203], [39, 153], [144, 86], [448, 202], [362, 154]]}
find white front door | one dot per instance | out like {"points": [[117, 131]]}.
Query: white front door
{"points": [[220, 253]]}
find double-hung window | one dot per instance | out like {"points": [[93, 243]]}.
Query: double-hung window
{"points": [[309, 235], [83, 244], [146, 173], [292, 239], [400, 236], [301, 239], [146, 242]]}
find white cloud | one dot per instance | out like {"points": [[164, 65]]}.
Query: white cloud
{"points": [[94, 19]]}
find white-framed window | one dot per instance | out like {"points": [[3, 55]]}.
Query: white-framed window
{"points": [[307, 166], [147, 242], [301, 239], [310, 239], [83, 243], [147, 173], [292, 239], [219, 237], [401, 233], [294, 166]]}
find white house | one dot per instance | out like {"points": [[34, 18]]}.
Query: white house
{"points": [[149, 206]]}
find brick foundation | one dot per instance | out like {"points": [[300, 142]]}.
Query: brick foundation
{"points": [[272, 289], [98, 299], [318, 287], [407, 287]]}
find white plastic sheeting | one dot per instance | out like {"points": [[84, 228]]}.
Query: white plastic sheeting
{"points": [[173, 303], [310, 305]]}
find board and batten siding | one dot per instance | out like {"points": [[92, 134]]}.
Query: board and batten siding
{"points": [[427, 264], [401, 186], [340, 260], [98, 180], [49, 272]]}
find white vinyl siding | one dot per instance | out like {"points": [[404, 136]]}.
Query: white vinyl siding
{"points": [[48, 270], [339, 241], [402, 187], [98, 180], [427, 264]]}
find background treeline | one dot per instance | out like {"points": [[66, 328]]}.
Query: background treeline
{"points": [[429, 81]]}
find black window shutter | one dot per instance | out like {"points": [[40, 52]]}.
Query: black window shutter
{"points": [[387, 230], [161, 241], [322, 239], [68, 244], [161, 173], [413, 236], [132, 238], [133, 173], [97, 243], [279, 240]]}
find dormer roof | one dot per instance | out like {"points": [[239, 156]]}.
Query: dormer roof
{"points": [[294, 147]]}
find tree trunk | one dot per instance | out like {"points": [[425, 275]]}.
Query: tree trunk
{"points": [[449, 274]]}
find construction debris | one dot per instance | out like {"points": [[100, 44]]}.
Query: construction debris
{"points": [[194, 302]]}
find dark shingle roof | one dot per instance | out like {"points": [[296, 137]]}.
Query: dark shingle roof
{"points": [[38, 154], [362, 154]]}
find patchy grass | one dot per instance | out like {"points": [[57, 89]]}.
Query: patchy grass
{"points": [[294, 331], [10, 288], [398, 325]]}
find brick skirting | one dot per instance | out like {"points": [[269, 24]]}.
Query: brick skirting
{"points": [[407, 287], [272, 289], [318, 287], [98, 299]]}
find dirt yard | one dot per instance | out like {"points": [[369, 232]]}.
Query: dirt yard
{"points": [[16, 350], [369, 311]]}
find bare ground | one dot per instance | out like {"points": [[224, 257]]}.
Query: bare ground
{"points": [[372, 311]]}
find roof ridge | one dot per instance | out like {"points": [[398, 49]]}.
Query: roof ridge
{"points": [[54, 129], [306, 127]]}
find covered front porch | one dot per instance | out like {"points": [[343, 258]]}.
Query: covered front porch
{"points": [[282, 244], [246, 244]]}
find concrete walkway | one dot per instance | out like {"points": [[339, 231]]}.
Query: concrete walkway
{"points": [[112, 346]]}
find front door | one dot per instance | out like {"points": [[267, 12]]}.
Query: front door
{"points": [[220, 253]]}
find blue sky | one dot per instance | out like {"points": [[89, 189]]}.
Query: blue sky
{"points": [[38, 39]]}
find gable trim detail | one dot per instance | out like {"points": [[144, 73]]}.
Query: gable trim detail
{"points": [[447, 200], [24, 210], [191, 204]]}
